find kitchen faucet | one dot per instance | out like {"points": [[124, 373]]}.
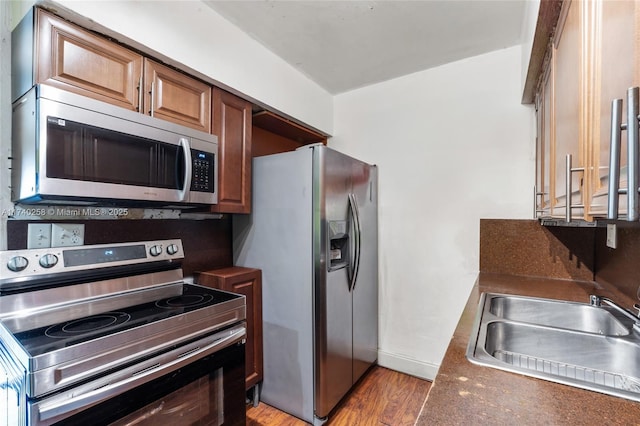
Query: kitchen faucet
{"points": [[595, 300]]}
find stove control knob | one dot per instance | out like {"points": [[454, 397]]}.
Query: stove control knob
{"points": [[172, 249], [48, 260], [155, 250], [17, 263]]}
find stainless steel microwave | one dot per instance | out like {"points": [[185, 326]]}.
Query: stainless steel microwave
{"points": [[70, 149]]}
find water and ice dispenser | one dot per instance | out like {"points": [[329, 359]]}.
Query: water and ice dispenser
{"points": [[338, 245]]}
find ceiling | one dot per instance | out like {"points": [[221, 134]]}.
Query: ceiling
{"points": [[344, 45]]}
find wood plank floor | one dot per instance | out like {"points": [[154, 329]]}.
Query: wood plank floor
{"points": [[381, 397]]}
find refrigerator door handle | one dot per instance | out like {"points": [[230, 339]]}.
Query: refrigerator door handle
{"points": [[355, 264]]}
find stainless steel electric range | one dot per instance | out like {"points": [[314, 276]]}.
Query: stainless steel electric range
{"points": [[111, 334]]}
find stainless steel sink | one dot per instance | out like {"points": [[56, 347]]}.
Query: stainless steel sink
{"points": [[589, 347], [557, 313]]}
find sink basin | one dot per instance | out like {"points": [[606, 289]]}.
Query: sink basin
{"points": [[556, 313], [566, 342]]}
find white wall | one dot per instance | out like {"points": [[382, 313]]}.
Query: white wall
{"points": [[453, 145]]}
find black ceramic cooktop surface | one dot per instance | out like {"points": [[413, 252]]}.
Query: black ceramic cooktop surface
{"points": [[57, 336]]}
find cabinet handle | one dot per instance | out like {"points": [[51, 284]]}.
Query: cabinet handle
{"points": [[152, 93], [570, 169], [632, 126], [140, 90], [614, 159], [632, 153]]}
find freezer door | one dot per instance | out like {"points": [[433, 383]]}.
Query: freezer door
{"points": [[333, 307], [365, 289], [277, 238]]}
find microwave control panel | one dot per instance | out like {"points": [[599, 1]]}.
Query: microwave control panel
{"points": [[203, 168]]}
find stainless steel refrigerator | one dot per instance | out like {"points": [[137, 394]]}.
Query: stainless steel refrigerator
{"points": [[313, 231]]}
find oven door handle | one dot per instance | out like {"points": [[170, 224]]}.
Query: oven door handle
{"points": [[61, 407]]}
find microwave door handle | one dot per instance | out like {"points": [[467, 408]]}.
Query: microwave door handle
{"points": [[188, 168]]}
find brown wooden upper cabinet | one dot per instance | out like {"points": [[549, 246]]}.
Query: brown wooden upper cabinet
{"points": [[616, 69], [543, 147], [232, 124], [592, 59], [80, 61], [568, 107], [76, 60], [174, 96]]}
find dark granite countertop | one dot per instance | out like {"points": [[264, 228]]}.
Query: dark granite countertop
{"points": [[464, 393]]}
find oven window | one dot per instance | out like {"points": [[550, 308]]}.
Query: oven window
{"points": [[88, 153], [209, 391], [201, 399]]}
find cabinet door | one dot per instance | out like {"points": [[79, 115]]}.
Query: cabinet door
{"points": [[76, 60], [616, 63], [251, 288], [568, 110], [232, 124], [544, 153], [248, 282], [174, 96]]}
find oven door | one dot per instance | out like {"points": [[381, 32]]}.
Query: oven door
{"points": [[197, 384]]}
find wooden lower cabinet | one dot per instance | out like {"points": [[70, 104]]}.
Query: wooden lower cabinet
{"points": [[248, 282]]}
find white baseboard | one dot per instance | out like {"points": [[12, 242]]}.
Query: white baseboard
{"points": [[406, 365]]}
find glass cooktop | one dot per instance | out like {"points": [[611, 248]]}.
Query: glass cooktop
{"points": [[57, 336]]}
